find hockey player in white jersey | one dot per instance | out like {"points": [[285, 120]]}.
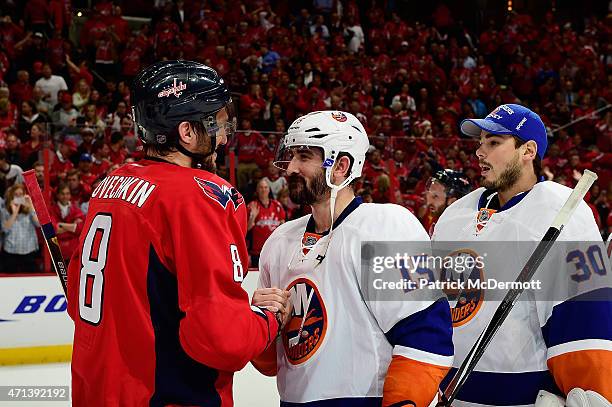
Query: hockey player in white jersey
{"points": [[557, 337], [341, 348]]}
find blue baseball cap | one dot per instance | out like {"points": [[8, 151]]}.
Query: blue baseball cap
{"points": [[515, 120], [86, 157]]}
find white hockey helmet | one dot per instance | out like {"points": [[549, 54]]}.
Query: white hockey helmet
{"points": [[336, 133]]}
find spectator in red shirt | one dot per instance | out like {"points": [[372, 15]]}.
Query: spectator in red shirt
{"points": [[61, 161], [118, 24], [100, 162], [85, 169], [33, 145], [56, 51], [67, 219], [22, 89], [36, 15], [57, 15], [118, 153], [10, 33], [131, 60], [266, 151], [265, 215], [93, 29], [8, 111], [79, 72], [79, 191], [248, 142], [253, 97], [374, 167]]}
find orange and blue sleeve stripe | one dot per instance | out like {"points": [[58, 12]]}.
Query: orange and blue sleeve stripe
{"points": [[422, 355], [578, 335]]}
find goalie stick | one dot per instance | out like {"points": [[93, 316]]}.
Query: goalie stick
{"points": [[46, 225], [529, 269]]}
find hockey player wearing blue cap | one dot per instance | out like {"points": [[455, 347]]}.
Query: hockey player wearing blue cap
{"points": [[555, 347]]}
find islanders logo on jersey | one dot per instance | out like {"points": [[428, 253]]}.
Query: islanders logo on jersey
{"points": [[309, 240], [466, 302], [305, 331], [483, 217], [222, 194]]}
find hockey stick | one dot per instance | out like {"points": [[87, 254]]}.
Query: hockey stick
{"points": [[46, 226], [296, 339], [512, 295]]}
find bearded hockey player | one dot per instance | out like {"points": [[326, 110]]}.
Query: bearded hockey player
{"points": [[340, 347], [557, 338], [157, 275]]}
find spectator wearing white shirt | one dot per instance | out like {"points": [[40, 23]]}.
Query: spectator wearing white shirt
{"points": [[355, 34], [51, 85], [19, 223]]}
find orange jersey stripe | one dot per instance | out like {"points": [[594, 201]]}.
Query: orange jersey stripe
{"points": [[587, 369], [409, 379]]}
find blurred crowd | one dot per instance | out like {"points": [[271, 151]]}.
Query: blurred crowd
{"points": [[65, 89]]}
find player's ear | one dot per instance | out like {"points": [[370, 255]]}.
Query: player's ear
{"points": [[450, 200], [530, 150], [342, 167], [185, 133]]}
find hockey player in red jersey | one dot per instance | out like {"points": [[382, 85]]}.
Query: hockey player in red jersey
{"points": [[154, 288]]}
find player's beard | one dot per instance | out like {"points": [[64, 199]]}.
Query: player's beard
{"points": [[506, 180], [302, 193], [203, 147]]}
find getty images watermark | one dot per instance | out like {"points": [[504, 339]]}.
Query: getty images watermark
{"points": [[416, 269], [472, 272]]}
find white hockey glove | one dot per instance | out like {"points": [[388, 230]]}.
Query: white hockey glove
{"points": [[580, 398], [575, 398]]}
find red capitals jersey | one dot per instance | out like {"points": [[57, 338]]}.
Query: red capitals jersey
{"points": [[155, 293]]}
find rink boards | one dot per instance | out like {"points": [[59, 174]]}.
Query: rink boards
{"points": [[34, 325]]}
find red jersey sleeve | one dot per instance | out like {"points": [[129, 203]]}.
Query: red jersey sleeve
{"points": [[220, 329]]}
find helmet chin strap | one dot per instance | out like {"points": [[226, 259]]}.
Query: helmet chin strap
{"points": [[332, 207], [197, 159]]}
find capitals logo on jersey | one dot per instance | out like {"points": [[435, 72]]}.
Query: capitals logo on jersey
{"points": [[465, 303], [305, 331], [222, 194]]}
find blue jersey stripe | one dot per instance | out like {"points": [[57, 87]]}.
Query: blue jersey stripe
{"points": [[503, 389], [586, 316], [429, 330], [339, 402], [178, 378]]}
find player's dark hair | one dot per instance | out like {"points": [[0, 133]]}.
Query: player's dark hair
{"points": [[163, 150], [537, 161]]}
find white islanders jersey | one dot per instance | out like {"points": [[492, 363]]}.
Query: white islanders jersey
{"points": [[335, 347], [546, 342]]}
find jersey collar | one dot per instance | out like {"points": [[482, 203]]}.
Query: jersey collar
{"points": [[494, 203], [310, 226]]}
